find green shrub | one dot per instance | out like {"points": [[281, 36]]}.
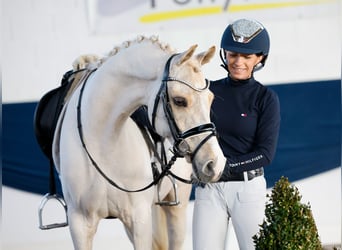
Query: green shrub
{"points": [[289, 224]]}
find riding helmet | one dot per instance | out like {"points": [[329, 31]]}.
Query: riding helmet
{"points": [[247, 37]]}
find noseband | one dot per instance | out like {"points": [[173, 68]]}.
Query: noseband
{"points": [[179, 136]]}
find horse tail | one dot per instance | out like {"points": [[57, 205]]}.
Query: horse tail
{"points": [[160, 233]]}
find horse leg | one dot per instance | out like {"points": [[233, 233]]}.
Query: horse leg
{"points": [[160, 233], [176, 217], [82, 229], [175, 220], [138, 226]]}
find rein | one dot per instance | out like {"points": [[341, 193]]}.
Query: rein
{"points": [[178, 136], [110, 181]]}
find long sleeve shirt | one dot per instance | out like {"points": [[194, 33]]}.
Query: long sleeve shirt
{"points": [[247, 119]]}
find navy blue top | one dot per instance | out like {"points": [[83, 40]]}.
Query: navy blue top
{"points": [[247, 118]]}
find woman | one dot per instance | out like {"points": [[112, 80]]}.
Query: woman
{"points": [[247, 118]]}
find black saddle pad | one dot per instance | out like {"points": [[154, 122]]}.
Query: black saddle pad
{"points": [[47, 112]]}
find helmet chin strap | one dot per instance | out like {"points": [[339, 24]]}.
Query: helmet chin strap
{"points": [[224, 61]]}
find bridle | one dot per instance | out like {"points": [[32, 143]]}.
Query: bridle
{"points": [[178, 136]]}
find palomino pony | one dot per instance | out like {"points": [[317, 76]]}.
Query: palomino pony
{"points": [[101, 155]]}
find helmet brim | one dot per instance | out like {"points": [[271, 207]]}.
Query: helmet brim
{"points": [[242, 50]]}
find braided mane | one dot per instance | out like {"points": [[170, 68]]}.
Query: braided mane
{"points": [[141, 38], [93, 61]]}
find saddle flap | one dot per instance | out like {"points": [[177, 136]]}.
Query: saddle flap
{"points": [[46, 116]]}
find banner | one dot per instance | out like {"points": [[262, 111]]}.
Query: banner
{"points": [[109, 16]]}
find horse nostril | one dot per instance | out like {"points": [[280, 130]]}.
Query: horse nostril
{"points": [[208, 168]]}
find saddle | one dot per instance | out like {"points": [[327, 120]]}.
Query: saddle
{"points": [[49, 108]]}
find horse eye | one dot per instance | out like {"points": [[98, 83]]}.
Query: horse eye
{"points": [[180, 101]]}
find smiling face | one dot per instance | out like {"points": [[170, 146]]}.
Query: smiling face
{"points": [[240, 66]]}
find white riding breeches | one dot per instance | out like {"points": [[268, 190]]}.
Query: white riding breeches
{"points": [[216, 204]]}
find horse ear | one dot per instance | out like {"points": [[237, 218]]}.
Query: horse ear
{"points": [[206, 56], [187, 54]]}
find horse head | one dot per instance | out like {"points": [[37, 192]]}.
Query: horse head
{"points": [[186, 100]]}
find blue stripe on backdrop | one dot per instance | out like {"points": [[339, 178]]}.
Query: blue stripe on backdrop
{"points": [[310, 134], [309, 140], [24, 165]]}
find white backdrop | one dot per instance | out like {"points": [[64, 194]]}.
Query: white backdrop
{"points": [[41, 38]]}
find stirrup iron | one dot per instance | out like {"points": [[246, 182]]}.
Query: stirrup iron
{"points": [[175, 202], [45, 199]]}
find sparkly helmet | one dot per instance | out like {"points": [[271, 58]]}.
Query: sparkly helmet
{"points": [[247, 37]]}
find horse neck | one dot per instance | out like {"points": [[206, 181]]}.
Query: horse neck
{"points": [[114, 91]]}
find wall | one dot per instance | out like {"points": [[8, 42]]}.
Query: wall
{"points": [[41, 38]]}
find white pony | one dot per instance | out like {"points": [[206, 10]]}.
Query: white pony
{"points": [[102, 158]]}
